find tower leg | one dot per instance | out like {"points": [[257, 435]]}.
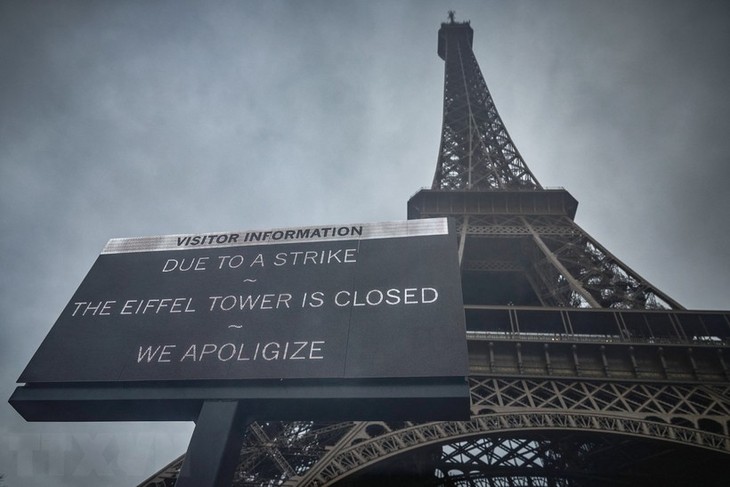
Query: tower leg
{"points": [[215, 446]]}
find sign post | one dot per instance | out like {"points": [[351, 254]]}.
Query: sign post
{"points": [[214, 448]]}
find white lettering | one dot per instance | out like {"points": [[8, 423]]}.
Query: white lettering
{"points": [[316, 257], [158, 354], [250, 302], [157, 306], [267, 351], [184, 265], [377, 297], [95, 308]]}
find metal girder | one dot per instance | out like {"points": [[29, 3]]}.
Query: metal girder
{"points": [[275, 451], [693, 413], [675, 413], [575, 285], [574, 459], [688, 414], [567, 266], [271, 449], [668, 402], [492, 265]]}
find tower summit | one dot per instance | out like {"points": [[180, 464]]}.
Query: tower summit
{"points": [[476, 152]]}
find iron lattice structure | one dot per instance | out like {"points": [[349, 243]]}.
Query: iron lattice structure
{"points": [[476, 151], [581, 371]]}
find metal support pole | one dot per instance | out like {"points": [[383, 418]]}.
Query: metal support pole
{"points": [[574, 283], [215, 446]]}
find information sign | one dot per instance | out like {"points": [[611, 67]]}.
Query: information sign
{"points": [[363, 301]]}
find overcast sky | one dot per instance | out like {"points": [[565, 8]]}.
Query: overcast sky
{"points": [[123, 118]]}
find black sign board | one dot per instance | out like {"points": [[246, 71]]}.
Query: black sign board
{"points": [[366, 302]]}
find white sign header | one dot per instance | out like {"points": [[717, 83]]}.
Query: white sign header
{"points": [[363, 231]]}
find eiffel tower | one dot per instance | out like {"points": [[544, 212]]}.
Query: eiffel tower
{"points": [[581, 371]]}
